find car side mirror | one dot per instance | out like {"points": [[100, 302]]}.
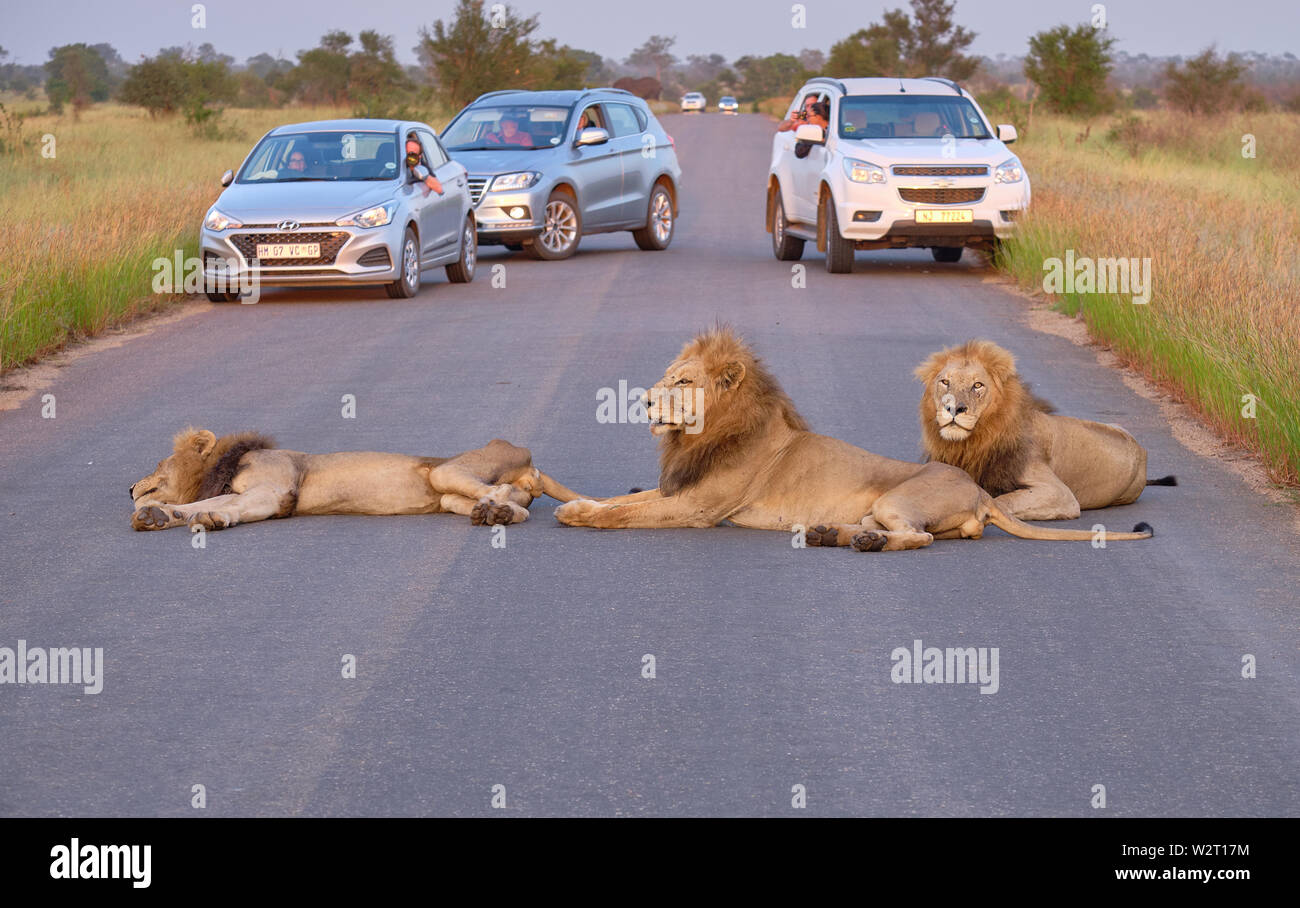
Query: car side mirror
{"points": [[810, 132], [227, 178], [592, 135], [1006, 134]]}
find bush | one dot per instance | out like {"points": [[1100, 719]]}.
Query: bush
{"points": [[1070, 66], [1207, 84]]}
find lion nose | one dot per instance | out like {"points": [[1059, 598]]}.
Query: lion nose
{"points": [[960, 410]]}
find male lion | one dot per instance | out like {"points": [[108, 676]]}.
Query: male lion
{"points": [[977, 414], [219, 482], [752, 461]]}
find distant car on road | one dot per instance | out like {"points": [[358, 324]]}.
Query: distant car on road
{"points": [[693, 101], [905, 162], [549, 167], [728, 105], [333, 202]]}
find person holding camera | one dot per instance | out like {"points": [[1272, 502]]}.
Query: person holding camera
{"points": [[814, 112]]}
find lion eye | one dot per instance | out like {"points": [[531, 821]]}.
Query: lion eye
{"points": [[944, 382], [977, 386], [683, 381]]}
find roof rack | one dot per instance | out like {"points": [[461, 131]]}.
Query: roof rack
{"points": [[493, 94], [620, 91], [829, 81], [949, 82]]}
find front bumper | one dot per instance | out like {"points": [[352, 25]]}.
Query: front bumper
{"points": [[229, 255], [495, 223], [992, 217]]}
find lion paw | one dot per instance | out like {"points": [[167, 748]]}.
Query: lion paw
{"points": [[211, 520], [576, 512], [870, 541], [155, 518], [822, 535], [488, 512]]}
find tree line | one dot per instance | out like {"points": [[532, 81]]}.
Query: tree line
{"points": [[478, 49]]}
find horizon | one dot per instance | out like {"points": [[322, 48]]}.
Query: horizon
{"points": [[138, 28]]}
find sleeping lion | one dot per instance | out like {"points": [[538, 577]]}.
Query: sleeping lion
{"points": [[216, 483], [977, 414], [733, 447]]}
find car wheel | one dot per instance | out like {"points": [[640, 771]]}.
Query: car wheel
{"points": [[785, 247], [660, 221], [408, 283], [462, 271], [946, 253], [561, 229], [839, 251]]}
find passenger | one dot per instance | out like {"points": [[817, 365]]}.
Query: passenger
{"points": [[817, 114], [510, 134], [297, 162], [813, 113], [421, 172]]}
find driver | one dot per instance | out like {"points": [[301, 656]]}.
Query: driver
{"points": [[420, 172]]}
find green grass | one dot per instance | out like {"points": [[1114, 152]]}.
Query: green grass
{"points": [[1222, 232]]}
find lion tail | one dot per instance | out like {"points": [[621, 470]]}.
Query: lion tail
{"points": [[558, 491], [1016, 527], [1163, 481]]}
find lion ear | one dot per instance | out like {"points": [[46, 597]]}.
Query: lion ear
{"points": [[200, 441], [931, 367], [732, 374]]}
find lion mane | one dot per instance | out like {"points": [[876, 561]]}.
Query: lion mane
{"points": [[685, 459], [1001, 444]]}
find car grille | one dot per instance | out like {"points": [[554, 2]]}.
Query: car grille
{"points": [[955, 196], [330, 244], [944, 170], [476, 187]]}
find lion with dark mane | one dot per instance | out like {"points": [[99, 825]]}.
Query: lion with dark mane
{"points": [[216, 483], [977, 414], [734, 448]]}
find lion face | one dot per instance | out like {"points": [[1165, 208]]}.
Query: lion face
{"points": [[176, 479], [960, 392], [676, 403]]}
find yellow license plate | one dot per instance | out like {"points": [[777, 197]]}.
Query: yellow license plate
{"points": [[288, 250], [944, 216]]}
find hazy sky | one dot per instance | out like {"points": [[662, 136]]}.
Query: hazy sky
{"points": [[242, 28]]}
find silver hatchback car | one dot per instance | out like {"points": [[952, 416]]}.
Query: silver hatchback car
{"points": [[340, 202], [549, 167]]}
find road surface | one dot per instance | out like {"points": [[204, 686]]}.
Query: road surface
{"points": [[522, 666]]}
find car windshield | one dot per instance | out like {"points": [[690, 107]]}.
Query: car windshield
{"points": [[335, 155], [910, 117], [521, 126]]}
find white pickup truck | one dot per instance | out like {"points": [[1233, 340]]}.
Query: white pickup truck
{"points": [[904, 162]]}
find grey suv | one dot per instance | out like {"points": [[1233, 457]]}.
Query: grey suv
{"points": [[549, 167]]}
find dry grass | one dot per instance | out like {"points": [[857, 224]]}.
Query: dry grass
{"points": [[82, 229], [1222, 232]]}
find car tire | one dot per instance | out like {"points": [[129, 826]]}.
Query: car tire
{"points": [[461, 271], [786, 248], [839, 251], [561, 229], [661, 221], [947, 254], [408, 284]]}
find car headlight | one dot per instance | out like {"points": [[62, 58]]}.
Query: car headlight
{"points": [[1009, 171], [371, 217], [218, 221], [863, 171], [521, 180]]}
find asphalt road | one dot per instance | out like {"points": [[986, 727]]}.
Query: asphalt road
{"points": [[521, 666]]}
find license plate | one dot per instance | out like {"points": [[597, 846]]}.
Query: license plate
{"points": [[288, 250], [944, 216]]}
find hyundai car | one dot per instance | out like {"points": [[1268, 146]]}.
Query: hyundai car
{"points": [[340, 202]]}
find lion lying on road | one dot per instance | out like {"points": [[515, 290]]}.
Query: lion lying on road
{"points": [[219, 482], [754, 463], [977, 414]]}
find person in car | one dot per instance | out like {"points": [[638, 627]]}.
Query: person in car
{"points": [[510, 134], [415, 162], [813, 113], [298, 162]]}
